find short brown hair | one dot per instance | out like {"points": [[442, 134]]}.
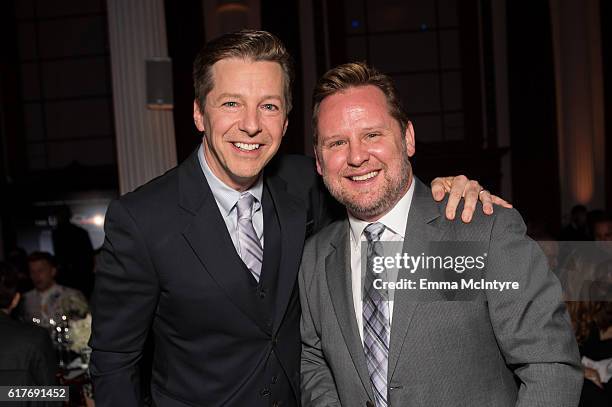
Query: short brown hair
{"points": [[42, 256], [351, 75], [247, 44]]}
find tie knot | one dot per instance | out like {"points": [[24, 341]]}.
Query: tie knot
{"points": [[373, 231], [245, 205]]}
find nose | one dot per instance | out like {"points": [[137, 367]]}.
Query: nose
{"points": [[250, 122], [357, 153]]}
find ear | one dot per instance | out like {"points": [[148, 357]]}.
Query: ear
{"points": [[53, 271], [285, 125], [410, 143], [319, 169], [198, 118]]}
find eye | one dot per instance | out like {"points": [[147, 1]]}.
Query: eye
{"points": [[372, 135], [336, 143], [271, 107], [230, 104]]}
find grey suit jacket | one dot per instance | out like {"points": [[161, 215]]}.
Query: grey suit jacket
{"points": [[500, 350]]}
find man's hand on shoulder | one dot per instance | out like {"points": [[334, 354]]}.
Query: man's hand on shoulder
{"points": [[459, 187]]}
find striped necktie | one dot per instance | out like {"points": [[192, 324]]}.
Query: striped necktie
{"points": [[251, 251], [376, 325]]}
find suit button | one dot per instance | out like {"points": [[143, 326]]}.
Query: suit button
{"points": [[274, 380], [369, 404], [265, 392], [275, 340], [262, 293]]}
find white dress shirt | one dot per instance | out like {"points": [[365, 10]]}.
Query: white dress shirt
{"points": [[40, 307], [227, 198], [395, 226]]}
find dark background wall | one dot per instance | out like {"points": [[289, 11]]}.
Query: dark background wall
{"points": [[533, 128], [606, 47], [56, 113]]}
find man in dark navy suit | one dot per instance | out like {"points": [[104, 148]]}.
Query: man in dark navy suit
{"points": [[206, 256]]}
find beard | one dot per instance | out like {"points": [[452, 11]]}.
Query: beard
{"points": [[393, 190]]}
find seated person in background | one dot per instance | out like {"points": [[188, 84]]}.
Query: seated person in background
{"points": [[49, 300], [577, 229], [602, 229], [27, 357], [583, 260], [592, 321]]}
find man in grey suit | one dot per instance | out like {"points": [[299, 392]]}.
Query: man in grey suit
{"points": [[502, 348]]}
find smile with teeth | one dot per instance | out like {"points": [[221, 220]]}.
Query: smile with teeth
{"points": [[364, 176], [246, 146]]}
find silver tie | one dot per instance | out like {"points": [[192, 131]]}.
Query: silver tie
{"points": [[376, 325], [251, 251]]}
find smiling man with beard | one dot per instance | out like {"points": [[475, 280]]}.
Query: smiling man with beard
{"points": [[359, 348]]}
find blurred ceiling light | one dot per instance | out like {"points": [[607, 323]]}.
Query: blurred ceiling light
{"points": [[98, 220]]}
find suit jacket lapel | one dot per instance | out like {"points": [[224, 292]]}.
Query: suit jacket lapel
{"points": [[292, 218], [338, 271], [420, 229], [208, 237]]}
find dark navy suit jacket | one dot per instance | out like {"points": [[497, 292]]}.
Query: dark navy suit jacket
{"points": [[168, 267]]}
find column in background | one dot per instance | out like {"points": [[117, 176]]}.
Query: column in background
{"points": [[144, 138]]}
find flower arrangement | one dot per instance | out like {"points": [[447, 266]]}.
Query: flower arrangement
{"points": [[80, 331], [73, 306]]}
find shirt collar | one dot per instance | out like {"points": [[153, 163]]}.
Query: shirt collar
{"points": [[49, 291], [395, 220], [225, 195]]}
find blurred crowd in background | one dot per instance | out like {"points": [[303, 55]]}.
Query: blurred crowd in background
{"points": [[44, 313]]}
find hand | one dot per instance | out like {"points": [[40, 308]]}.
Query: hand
{"points": [[593, 376], [461, 187]]}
